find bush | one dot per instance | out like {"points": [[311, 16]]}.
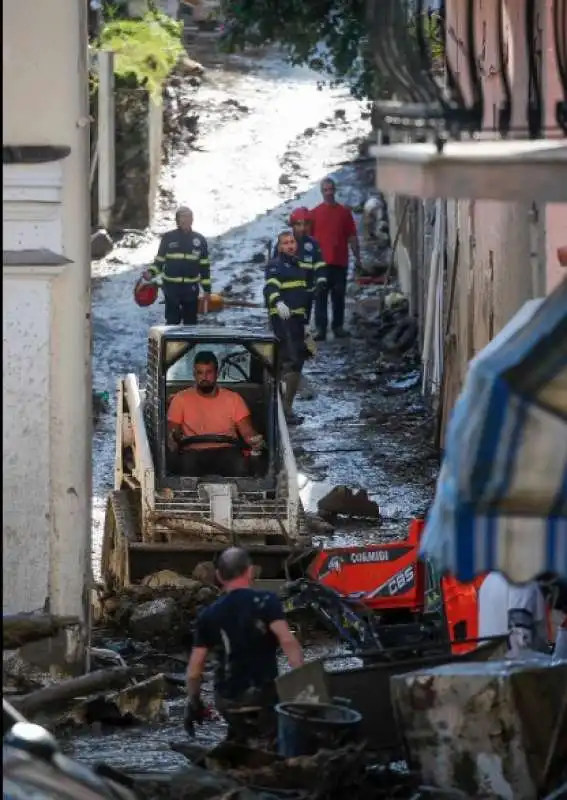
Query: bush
{"points": [[146, 50]]}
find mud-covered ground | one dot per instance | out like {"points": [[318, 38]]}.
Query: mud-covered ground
{"points": [[266, 136]]}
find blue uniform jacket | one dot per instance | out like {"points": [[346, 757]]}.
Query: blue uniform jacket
{"points": [[286, 282], [183, 258], [310, 257]]}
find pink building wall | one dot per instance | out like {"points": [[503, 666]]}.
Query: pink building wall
{"points": [[496, 274], [502, 237], [556, 213]]}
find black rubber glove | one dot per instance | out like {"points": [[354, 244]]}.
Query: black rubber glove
{"points": [[194, 713]]}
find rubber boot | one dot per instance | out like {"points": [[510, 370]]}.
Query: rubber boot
{"points": [[306, 390], [292, 381]]}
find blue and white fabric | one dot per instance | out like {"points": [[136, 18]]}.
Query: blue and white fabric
{"points": [[501, 499]]}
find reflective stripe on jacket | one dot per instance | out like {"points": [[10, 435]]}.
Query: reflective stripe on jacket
{"points": [[183, 257], [286, 282]]}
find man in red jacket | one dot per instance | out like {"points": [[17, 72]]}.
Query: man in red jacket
{"points": [[335, 230]]}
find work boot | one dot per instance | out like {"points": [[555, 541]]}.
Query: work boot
{"points": [[292, 381], [340, 333], [320, 335], [305, 391]]}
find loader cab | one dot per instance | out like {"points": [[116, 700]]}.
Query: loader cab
{"points": [[248, 365]]}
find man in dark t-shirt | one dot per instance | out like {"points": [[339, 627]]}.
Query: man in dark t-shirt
{"points": [[243, 629]]}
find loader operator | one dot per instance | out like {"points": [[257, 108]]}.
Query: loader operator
{"points": [[182, 263], [209, 410], [243, 629], [287, 297], [308, 254]]}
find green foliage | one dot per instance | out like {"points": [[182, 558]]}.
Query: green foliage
{"points": [[327, 35], [330, 36], [147, 49]]}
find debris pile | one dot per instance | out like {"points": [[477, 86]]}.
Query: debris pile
{"points": [[163, 609], [345, 502], [230, 771]]}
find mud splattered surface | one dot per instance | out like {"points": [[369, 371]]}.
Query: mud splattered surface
{"points": [[267, 135]]}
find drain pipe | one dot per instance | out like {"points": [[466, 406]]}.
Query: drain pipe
{"points": [[432, 301]]}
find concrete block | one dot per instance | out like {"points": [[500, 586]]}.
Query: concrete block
{"points": [[483, 729]]}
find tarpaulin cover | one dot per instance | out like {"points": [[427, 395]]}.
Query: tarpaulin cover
{"points": [[501, 499]]}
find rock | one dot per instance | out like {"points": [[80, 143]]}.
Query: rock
{"points": [[284, 180], [309, 132], [340, 113], [152, 618], [191, 122], [205, 572], [167, 577], [484, 729], [205, 595], [101, 244], [186, 66], [343, 501], [258, 258]]}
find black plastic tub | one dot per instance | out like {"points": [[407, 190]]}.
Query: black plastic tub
{"points": [[306, 728]]}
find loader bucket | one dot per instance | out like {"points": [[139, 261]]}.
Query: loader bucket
{"points": [[276, 564]]}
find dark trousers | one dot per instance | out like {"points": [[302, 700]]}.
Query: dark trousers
{"points": [[291, 336], [181, 304], [251, 718], [336, 287], [228, 462]]}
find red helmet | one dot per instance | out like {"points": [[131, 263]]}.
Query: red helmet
{"points": [[301, 214], [145, 294]]}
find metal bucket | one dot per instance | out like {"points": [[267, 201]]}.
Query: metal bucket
{"points": [[306, 728]]}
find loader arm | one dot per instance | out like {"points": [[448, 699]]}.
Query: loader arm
{"points": [[132, 429]]}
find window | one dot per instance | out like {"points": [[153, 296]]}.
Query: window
{"points": [[234, 361]]}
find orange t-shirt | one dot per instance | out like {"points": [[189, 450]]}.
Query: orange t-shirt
{"points": [[200, 415]]}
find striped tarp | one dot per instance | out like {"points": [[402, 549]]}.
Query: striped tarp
{"points": [[501, 498]]}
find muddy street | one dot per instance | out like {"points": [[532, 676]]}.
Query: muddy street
{"points": [[267, 135]]}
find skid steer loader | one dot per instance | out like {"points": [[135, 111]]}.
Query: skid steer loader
{"points": [[157, 519]]}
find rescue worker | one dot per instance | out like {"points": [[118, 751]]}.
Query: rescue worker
{"points": [[309, 255], [182, 263], [208, 409], [335, 230], [287, 296], [244, 629]]}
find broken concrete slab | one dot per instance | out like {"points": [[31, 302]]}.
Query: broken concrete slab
{"points": [[484, 729], [342, 501]]}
